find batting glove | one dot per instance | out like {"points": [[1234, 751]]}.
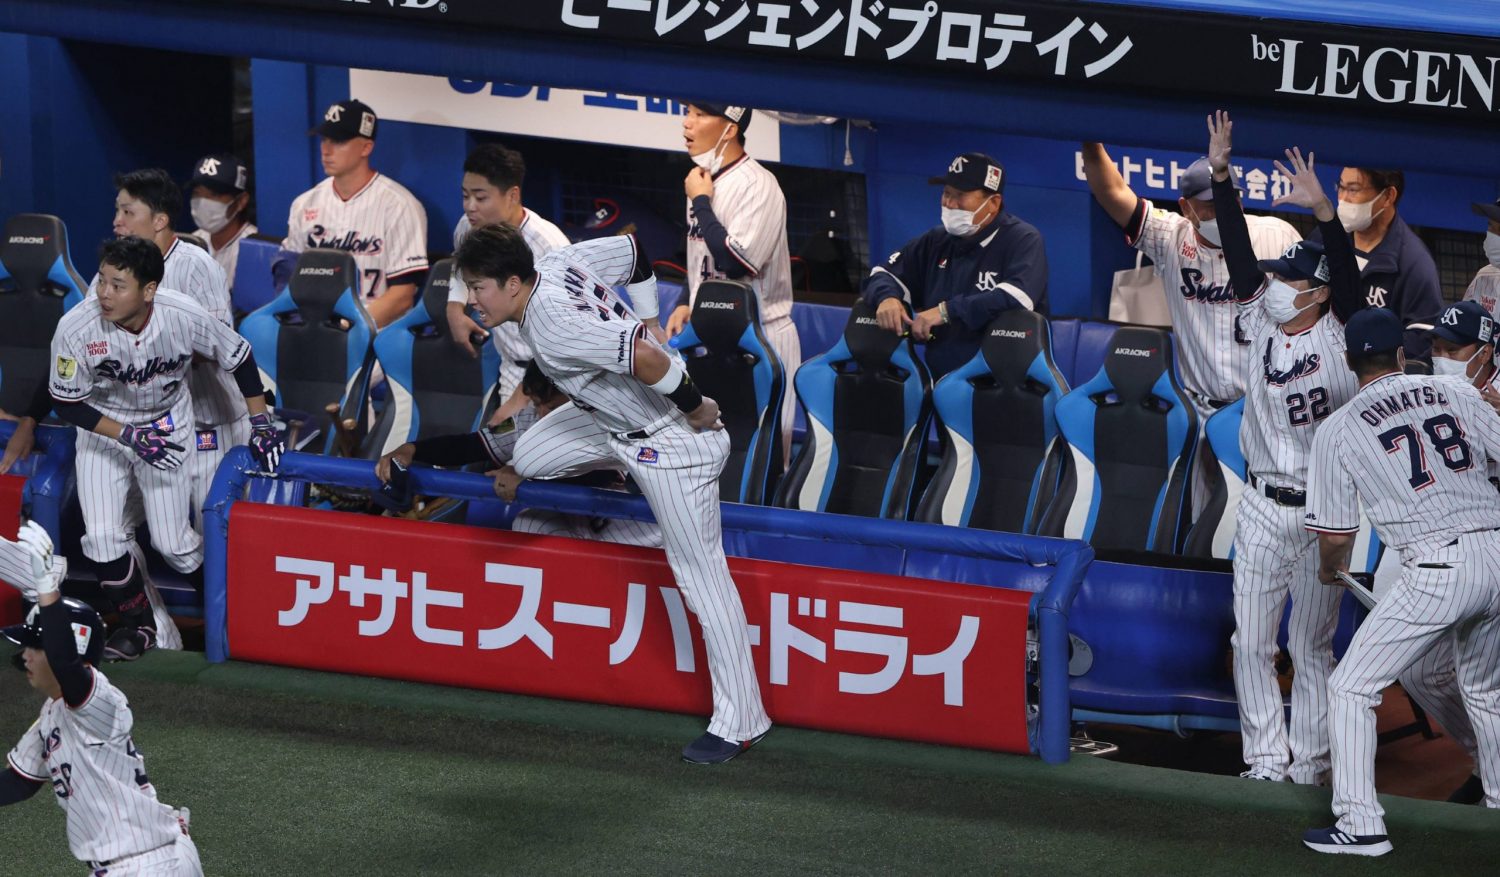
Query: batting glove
{"points": [[150, 444], [38, 546], [266, 442]]}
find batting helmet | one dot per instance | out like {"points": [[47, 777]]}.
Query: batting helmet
{"points": [[87, 627]]}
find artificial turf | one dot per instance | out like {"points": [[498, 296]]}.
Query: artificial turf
{"points": [[291, 772]]}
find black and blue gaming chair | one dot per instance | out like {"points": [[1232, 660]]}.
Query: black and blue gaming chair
{"points": [[869, 404], [731, 361], [1004, 456], [1131, 433], [435, 387], [1213, 533], [37, 286], [314, 342]]}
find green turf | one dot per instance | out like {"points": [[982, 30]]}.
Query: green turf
{"points": [[297, 773]]}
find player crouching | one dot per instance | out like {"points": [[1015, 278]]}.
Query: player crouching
{"points": [[81, 744]]}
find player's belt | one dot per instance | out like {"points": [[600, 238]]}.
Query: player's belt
{"points": [[1206, 402], [1280, 495]]}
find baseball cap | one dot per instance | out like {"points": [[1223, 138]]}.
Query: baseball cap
{"points": [[86, 625], [224, 174], [738, 115], [1373, 330], [1488, 211], [1465, 323], [973, 172], [346, 120], [1197, 182], [1303, 260]]}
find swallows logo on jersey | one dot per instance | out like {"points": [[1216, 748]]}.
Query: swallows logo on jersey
{"points": [[1194, 289], [112, 369], [1304, 366], [349, 242]]}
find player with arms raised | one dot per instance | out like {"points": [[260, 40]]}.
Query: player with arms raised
{"points": [[634, 405]]}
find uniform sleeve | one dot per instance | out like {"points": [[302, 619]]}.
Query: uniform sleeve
{"points": [[1480, 421], [755, 225], [1332, 503], [216, 341], [902, 276], [104, 715], [1023, 282], [1245, 276], [1344, 289], [26, 758], [578, 338], [212, 289], [1154, 231], [71, 379], [296, 228], [613, 258], [406, 244]]}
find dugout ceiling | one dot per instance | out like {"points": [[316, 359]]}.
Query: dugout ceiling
{"points": [[1067, 70]]}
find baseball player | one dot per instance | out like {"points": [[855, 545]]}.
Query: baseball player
{"points": [[491, 190], [145, 205], [1485, 287], [1413, 450], [81, 744], [1293, 311], [220, 206], [736, 217], [121, 363], [366, 214], [632, 404], [496, 445]]}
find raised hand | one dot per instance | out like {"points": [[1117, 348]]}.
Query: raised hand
{"points": [[1219, 141], [1306, 191]]}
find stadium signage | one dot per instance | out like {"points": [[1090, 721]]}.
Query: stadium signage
{"points": [[1108, 46], [856, 652]]}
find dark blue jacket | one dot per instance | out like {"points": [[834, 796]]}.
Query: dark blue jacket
{"points": [[1401, 276], [1002, 267]]}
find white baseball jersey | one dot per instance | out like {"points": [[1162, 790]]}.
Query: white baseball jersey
{"points": [[382, 226], [1302, 379], [98, 776], [749, 202], [1415, 450], [583, 334], [1485, 289], [541, 237], [1214, 356], [228, 256], [135, 377]]}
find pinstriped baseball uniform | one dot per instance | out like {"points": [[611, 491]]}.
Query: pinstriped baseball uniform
{"points": [[87, 756], [749, 202], [227, 256], [1414, 450], [382, 226], [138, 378], [1301, 379], [1485, 289], [541, 237], [583, 336], [1214, 361]]}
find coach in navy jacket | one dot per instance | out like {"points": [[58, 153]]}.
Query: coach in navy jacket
{"points": [[959, 276]]}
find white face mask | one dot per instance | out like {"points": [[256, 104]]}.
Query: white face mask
{"points": [[1208, 228], [1357, 217], [212, 216], [712, 160], [960, 223], [1281, 303], [1492, 248], [1453, 367]]}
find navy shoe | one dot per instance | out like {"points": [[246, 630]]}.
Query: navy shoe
{"points": [[713, 749], [1332, 840], [1471, 792]]}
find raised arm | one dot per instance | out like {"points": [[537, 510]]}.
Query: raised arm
{"points": [[1345, 290], [1245, 277], [1108, 186]]}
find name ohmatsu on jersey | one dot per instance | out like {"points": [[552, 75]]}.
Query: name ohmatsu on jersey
{"points": [[1406, 400]]}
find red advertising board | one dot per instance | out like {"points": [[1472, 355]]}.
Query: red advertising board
{"points": [[11, 487], [844, 651]]}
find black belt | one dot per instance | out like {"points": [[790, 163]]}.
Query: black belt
{"points": [[1281, 495], [633, 436], [1216, 404]]}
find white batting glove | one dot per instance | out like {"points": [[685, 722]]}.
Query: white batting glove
{"points": [[38, 547]]}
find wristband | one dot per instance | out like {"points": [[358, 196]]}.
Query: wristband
{"points": [[643, 298]]}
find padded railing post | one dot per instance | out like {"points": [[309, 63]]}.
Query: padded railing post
{"points": [[1055, 715], [229, 485]]}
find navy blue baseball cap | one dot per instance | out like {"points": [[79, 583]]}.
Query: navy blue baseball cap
{"points": [[1197, 182], [738, 115], [1465, 323], [973, 172], [1373, 330], [1303, 260], [224, 174], [346, 120]]}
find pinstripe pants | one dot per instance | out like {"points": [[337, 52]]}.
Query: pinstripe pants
{"points": [[788, 346], [1448, 593], [678, 471], [1276, 557]]}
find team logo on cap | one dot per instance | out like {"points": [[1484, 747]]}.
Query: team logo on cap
{"points": [[335, 113], [1450, 317], [209, 168], [957, 167], [992, 178]]}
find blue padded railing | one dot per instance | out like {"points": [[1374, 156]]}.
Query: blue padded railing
{"points": [[49, 471], [1049, 606]]}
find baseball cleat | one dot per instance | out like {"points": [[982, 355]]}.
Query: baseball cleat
{"points": [[713, 749], [1333, 840], [1471, 792], [129, 643]]}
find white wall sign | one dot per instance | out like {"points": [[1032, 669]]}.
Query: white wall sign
{"points": [[539, 111]]}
